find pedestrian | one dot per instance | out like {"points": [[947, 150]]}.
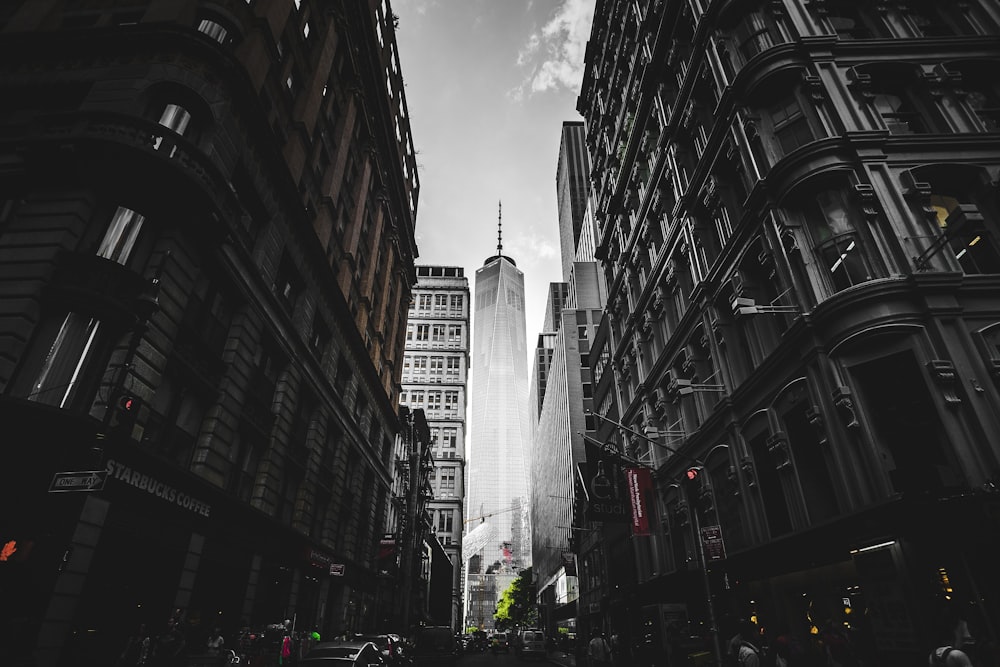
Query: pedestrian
{"points": [[598, 650], [136, 651], [170, 646], [743, 652]]}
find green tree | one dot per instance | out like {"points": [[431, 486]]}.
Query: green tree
{"points": [[517, 604]]}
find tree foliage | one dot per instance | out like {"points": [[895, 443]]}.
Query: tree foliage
{"points": [[517, 604]]}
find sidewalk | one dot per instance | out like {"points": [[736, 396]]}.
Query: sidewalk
{"points": [[561, 658]]}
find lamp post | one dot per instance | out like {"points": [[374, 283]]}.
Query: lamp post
{"points": [[691, 501]]}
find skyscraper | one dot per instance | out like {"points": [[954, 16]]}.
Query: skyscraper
{"points": [[498, 542], [572, 188]]}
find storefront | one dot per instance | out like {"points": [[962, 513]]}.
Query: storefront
{"points": [[89, 561]]}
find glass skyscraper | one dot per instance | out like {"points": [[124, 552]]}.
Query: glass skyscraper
{"points": [[497, 544]]}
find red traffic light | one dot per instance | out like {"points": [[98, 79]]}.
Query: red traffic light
{"points": [[127, 403], [692, 473]]}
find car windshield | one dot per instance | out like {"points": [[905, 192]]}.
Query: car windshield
{"points": [[533, 636]]}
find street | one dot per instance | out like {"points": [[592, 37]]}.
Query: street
{"points": [[499, 660]]}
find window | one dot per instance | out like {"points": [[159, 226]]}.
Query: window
{"points": [[454, 366], [455, 333], [445, 523], [434, 400], [451, 401], [213, 30], [791, 128], [66, 359], [967, 235], [440, 301], [423, 332], [832, 222], [450, 437], [287, 284], [457, 303], [447, 479], [305, 30], [120, 237], [175, 118], [437, 333], [424, 301], [320, 335]]}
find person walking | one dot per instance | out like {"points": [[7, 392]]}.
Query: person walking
{"points": [[598, 650], [742, 651], [170, 646], [136, 651]]}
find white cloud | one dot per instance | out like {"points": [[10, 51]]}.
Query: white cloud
{"points": [[554, 59]]}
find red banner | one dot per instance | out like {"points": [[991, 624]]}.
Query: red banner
{"points": [[640, 483]]}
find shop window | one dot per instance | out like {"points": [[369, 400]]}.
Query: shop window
{"points": [[833, 223]]}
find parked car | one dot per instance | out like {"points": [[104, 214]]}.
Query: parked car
{"points": [[433, 646], [390, 645], [499, 642], [343, 654], [530, 644]]}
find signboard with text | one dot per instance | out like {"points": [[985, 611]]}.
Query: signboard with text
{"points": [[81, 480], [711, 543], [605, 487], [639, 482]]}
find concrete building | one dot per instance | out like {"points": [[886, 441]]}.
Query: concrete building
{"points": [[497, 543], [797, 222], [206, 256], [435, 378]]}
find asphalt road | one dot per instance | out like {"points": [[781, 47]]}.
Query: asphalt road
{"points": [[499, 660]]}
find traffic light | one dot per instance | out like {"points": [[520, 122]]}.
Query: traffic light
{"points": [[126, 408], [692, 481]]}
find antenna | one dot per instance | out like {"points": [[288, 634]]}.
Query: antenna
{"points": [[499, 228]]}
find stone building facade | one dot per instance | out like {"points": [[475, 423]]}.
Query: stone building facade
{"points": [[797, 219], [435, 379], [206, 259]]}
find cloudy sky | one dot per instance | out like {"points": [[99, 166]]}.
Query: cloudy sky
{"points": [[488, 84]]}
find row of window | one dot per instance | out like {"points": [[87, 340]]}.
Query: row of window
{"points": [[433, 365], [454, 303], [430, 400], [434, 333]]}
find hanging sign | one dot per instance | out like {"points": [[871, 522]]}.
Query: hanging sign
{"points": [[639, 482], [712, 544]]}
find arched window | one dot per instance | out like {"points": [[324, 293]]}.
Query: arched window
{"points": [[833, 221]]}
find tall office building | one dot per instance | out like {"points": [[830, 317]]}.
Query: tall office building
{"points": [[497, 544], [207, 215], [435, 373], [572, 188], [798, 223]]}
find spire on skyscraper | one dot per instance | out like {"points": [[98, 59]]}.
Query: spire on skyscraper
{"points": [[499, 254], [499, 228]]}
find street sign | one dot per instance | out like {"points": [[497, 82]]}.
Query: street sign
{"points": [[337, 569], [711, 542], [79, 480]]}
